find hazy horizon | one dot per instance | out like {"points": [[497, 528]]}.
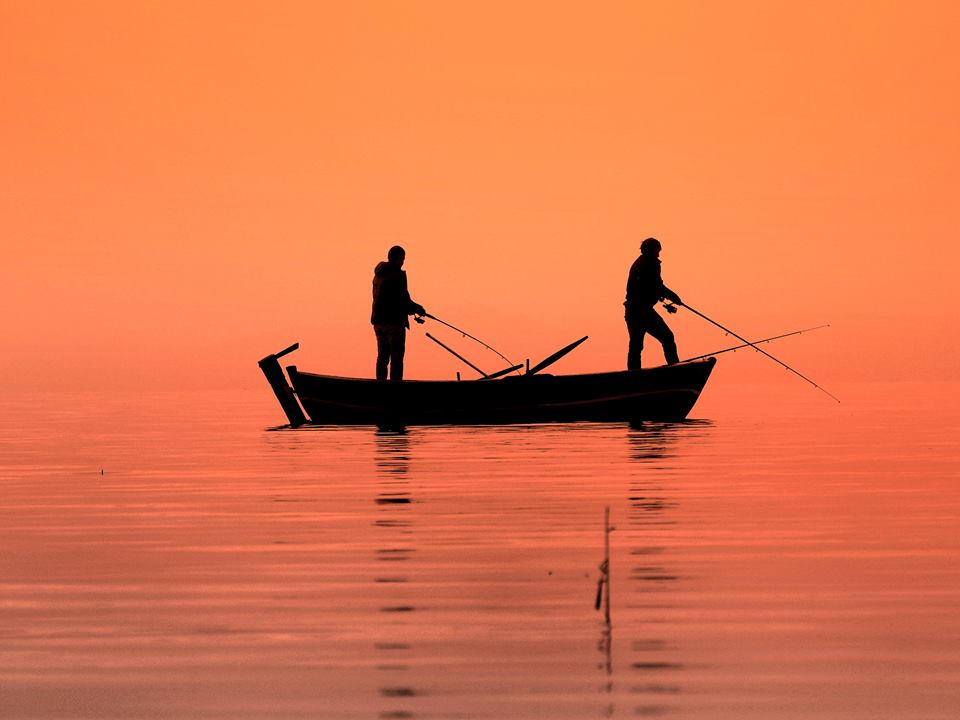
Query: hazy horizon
{"points": [[188, 188]]}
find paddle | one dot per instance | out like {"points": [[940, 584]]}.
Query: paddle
{"points": [[556, 356], [501, 373]]}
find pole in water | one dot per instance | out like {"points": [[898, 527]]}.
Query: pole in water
{"points": [[603, 582], [759, 350], [606, 561]]}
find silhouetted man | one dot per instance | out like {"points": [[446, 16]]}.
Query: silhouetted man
{"points": [[391, 306], [644, 289]]}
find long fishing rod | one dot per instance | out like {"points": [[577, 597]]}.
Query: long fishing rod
{"points": [[466, 334], [756, 342], [759, 350]]}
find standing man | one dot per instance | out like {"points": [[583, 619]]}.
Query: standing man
{"points": [[644, 289], [391, 306]]}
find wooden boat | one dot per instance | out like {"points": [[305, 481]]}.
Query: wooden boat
{"points": [[667, 393]]}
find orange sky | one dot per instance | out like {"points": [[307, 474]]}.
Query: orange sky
{"points": [[186, 186]]}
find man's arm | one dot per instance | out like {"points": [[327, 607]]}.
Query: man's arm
{"points": [[670, 295], [413, 308]]}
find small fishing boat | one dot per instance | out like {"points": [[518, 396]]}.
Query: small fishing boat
{"points": [[666, 393]]}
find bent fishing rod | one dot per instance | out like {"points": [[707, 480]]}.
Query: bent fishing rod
{"points": [[756, 342], [759, 350], [465, 334]]}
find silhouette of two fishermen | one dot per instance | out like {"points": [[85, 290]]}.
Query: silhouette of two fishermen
{"points": [[644, 289], [392, 307]]}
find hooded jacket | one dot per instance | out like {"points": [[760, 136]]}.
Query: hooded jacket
{"points": [[391, 300]]}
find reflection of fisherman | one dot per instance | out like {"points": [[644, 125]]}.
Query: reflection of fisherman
{"points": [[644, 289], [391, 306]]}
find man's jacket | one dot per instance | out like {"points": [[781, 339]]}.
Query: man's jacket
{"points": [[391, 301], [644, 285]]}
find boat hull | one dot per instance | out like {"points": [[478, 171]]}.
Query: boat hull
{"points": [[665, 393]]}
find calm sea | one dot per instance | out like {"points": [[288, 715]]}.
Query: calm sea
{"points": [[779, 556]]}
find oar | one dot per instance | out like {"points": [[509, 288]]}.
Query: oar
{"points": [[759, 350], [501, 373], [457, 355], [756, 342], [556, 356], [466, 334]]}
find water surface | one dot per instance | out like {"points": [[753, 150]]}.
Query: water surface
{"points": [[778, 556]]}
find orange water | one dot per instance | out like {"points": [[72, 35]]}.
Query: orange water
{"points": [[778, 557]]}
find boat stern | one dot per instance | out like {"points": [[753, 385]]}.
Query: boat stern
{"points": [[270, 365]]}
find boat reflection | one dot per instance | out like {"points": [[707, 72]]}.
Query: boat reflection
{"points": [[656, 661], [394, 507]]}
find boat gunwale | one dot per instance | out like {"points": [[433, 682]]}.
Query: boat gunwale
{"points": [[293, 370]]}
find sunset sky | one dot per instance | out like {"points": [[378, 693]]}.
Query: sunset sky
{"points": [[188, 186]]}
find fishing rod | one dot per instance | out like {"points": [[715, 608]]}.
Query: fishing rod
{"points": [[759, 350], [457, 355], [756, 342], [465, 334]]}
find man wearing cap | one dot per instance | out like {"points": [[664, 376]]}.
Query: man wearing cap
{"points": [[391, 307], [644, 288]]}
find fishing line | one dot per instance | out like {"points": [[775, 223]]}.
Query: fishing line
{"points": [[467, 335], [755, 342], [759, 350]]}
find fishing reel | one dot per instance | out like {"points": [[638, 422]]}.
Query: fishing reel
{"points": [[670, 308], [418, 319]]}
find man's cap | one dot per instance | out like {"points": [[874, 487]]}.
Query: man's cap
{"points": [[649, 245]]}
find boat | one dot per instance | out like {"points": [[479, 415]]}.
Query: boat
{"points": [[664, 393]]}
